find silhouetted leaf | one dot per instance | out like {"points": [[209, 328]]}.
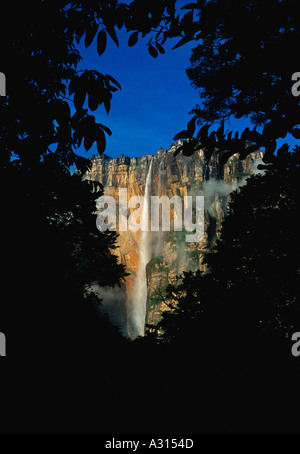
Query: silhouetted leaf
{"points": [[78, 136], [100, 89], [181, 42], [88, 142], [112, 89], [262, 167], [160, 48], [212, 137], [107, 105], [176, 152], [93, 103], [113, 80], [192, 125], [92, 92], [79, 114], [73, 85], [270, 148], [158, 34], [105, 128], [225, 156], [252, 136], [152, 51], [90, 33], [133, 39], [101, 42], [203, 132], [164, 40], [79, 97], [61, 111], [101, 141], [182, 135], [245, 133], [187, 19], [188, 149], [112, 33], [220, 132], [86, 125]]}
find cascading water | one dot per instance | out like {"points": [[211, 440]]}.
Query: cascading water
{"points": [[161, 174], [138, 303]]}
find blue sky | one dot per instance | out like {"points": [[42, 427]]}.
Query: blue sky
{"points": [[155, 99]]}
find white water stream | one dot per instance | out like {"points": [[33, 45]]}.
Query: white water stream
{"points": [[138, 303]]}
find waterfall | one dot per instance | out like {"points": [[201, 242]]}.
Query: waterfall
{"points": [[138, 302], [161, 175]]}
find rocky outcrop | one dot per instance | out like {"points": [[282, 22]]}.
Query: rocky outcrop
{"points": [[171, 176]]}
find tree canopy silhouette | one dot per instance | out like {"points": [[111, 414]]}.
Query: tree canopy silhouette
{"points": [[55, 248], [40, 60], [51, 249], [251, 287], [229, 330], [242, 66]]}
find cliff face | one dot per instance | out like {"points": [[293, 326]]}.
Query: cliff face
{"points": [[180, 176]]}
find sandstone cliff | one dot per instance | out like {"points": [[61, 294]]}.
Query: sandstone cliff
{"points": [[179, 176]]}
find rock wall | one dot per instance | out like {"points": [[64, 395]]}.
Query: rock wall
{"points": [[171, 176]]}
